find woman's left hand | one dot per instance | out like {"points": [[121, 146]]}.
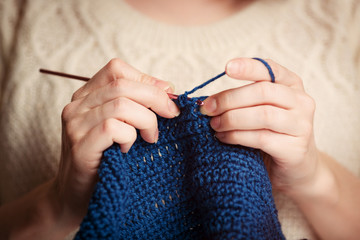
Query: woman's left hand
{"points": [[274, 117]]}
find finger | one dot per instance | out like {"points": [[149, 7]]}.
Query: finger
{"points": [[270, 142], [261, 93], [259, 117], [124, 110], [254, 70], [116, 69], [98, 139], [146, 95]]}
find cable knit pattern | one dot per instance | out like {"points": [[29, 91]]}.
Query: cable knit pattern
{"points": [[186, 186], [317, 39]]}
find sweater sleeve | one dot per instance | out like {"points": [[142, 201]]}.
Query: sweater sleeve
{"points": [[10, 16]]}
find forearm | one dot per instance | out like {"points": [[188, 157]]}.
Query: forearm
{"points": [[37, 215], [332, 202]]}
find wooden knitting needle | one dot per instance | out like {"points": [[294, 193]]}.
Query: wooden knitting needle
{"points": [[66, 75]]}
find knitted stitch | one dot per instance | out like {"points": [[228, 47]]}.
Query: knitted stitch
{"points": [[186, 186]]}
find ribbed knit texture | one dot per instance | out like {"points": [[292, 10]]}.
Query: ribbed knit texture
{"points": [[186, 186]]}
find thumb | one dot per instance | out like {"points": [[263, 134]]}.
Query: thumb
{"points": [[129, 72], [147, 79]]}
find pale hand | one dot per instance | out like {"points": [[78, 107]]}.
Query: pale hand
{"points": [[274, 117], [109, 108]]}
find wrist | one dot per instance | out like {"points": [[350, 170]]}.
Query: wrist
{"points": [[61, 221], [321, 186], [36, 215], [72, 195]]}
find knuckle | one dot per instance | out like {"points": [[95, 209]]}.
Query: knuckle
{"points": [[114, 65], [120, 104], [229, 120], [297, 79], [70, 126], [77, 94], [224, 100], [265, 90], [119, 84], [311, 104], [307, 128], [263, 139], [267, 115], [107, 126], [71, 129], [67, 112], [308, 102]]}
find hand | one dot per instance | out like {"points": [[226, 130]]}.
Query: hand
{"points": [[274, 117], [108, 109]]}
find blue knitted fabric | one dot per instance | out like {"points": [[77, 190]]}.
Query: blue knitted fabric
{"points": [[186, 186]]}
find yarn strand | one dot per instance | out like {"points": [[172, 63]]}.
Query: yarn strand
{"points": [[204, 84]]}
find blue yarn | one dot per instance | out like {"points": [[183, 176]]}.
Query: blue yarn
{"points": [[203, 84], [186, 186], [271, 73]]}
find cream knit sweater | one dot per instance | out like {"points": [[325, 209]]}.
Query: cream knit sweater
{"points": [[317, 39]]}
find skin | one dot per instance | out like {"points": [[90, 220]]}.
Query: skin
{"points": [[109, 108], [276, 118], [267, 116]]}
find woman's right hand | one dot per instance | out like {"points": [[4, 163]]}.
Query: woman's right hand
{"points": [[107, 109]]}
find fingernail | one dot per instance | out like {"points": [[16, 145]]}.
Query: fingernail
{"points": [[220, 135], [156, 136], [125, 148], [209, 106], [215, 122], [164, 85], [170, 88], [173, 108], [232, 68]]}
